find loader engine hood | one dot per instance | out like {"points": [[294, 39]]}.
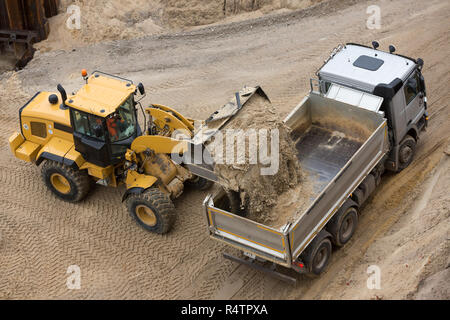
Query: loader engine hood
{"points": [[46, 106]]}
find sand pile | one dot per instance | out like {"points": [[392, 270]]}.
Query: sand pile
{"points": [[102, 20], [259, 193], [105, 20]]}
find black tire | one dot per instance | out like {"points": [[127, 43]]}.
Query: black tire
{"points": [[153, 210], [318, 256], [406, 152], [199, 183], [343, 226], [66, 183]]}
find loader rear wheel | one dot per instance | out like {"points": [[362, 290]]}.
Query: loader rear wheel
{"points": [[153, 210], [66, 183]]}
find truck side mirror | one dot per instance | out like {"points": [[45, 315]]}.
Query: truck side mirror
{"points": [[420, 63], [141, 88], [411, 85]]}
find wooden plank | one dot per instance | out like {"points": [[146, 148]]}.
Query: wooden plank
{"points": [[51, 8], [4, 20], [14, 12]]}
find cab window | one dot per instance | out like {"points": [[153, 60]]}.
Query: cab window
{"points": [[122, 123], [412, 88], [89, 125]]}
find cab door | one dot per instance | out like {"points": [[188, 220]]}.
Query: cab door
{"points": [[89, 137], [414, 99]]}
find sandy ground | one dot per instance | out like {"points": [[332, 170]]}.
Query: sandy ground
{"points": [[404, 228]]}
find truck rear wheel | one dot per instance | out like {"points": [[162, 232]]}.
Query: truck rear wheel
{"points": [[66, 183], [318, 256], [406, 152], [343, 226], [153, 210]]}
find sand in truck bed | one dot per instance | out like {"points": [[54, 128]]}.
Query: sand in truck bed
{"points": [[261, 194], [309, 159]]}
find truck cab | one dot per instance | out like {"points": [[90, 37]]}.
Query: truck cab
{"points": [[384, 82]]}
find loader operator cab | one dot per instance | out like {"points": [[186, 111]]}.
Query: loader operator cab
{"points": [[103, 116], [383, 82]]}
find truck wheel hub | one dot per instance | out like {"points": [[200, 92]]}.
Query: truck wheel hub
{"points": [[347, 227], [320, 258], [405, 154]]}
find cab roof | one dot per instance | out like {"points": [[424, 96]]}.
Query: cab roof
{"points": [[365, 68], [101, 95]]}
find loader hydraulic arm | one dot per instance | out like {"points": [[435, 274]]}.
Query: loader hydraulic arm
{"points": [[159, 144], [167, 120]]}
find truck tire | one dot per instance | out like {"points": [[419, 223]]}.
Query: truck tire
{"points": [[153, 210], [343, 226], [406, 152], [66, 183], [199, 183], [318, 256]]}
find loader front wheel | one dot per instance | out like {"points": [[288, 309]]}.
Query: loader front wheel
{"points": [[153, 210], [199, 183], [66, 183]]}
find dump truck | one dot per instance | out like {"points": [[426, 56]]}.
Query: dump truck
{"points": [[364, 114]]}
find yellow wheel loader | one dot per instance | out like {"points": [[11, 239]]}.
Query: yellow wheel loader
{"points": [[94, 135]]}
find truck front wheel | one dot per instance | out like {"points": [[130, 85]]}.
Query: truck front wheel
{"points": [[199, 183], [153, 210], [406, 152]]}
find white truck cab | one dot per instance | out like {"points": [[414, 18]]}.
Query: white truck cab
{"points": [[385, 82]]}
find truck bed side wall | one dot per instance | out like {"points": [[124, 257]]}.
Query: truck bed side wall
{"points": [[279, 245], [347, 180]]}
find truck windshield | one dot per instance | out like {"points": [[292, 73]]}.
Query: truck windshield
{"points": [[122, 123]]}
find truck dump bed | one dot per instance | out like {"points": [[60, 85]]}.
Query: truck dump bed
{"points": [[337, 145]]}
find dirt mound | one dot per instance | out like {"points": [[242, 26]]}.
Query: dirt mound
{"points": [[103, 20], [259, 190]]}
